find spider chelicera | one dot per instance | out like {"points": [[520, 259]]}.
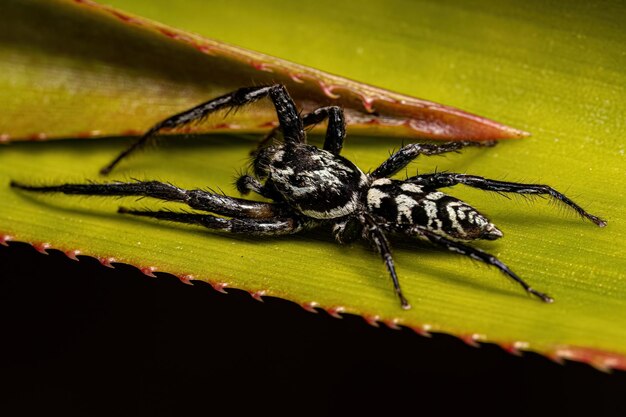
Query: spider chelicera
{"points": [[311, 187]]}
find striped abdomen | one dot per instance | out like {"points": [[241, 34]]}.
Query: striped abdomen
{"points": [[404, 204]]}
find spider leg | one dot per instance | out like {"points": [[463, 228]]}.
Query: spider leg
{"points": [[408, 153], [265, 227], [476, 254], [373, 232], [335, 132], [288, 117], [196, 199], [444, 179]]}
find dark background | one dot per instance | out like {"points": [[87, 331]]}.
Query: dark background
{"points": [[83, 339]]}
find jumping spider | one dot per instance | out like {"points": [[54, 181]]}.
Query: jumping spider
{"points": [[312, 187]]}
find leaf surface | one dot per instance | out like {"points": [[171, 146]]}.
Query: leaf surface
{"points": [[556, 73]]}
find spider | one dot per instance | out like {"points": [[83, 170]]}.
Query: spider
{"points": [[311, 187]]}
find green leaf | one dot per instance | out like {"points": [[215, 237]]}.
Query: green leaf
{"points": [[556, 72], [80, 69]]}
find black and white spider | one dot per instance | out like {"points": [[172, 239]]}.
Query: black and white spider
{"points": [[312, 187]]}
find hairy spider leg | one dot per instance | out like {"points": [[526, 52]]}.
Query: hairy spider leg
{"points": [[265, 227], [335, 132], [476, 254], [377, 237], [288, 117], [450, 179], [196, 199], [408, 153]]}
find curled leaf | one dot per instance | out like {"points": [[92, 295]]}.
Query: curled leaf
{"points": [[92, 70]]}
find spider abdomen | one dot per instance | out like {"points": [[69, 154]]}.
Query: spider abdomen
{"points": [[404, 204], [315, 182]]}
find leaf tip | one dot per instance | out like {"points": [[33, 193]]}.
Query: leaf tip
{"points": [[5, 239], [72, 254], [258, 295], [515, 348], [423, 330], [108, 262], [473, 339], [392, 324], [148, 271], [41, 247], [372, 320], [186, 279], [336, 311], [219, 287], [310, 306]]}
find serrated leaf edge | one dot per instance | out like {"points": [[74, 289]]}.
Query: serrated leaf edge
{"points": [[599, 359]]}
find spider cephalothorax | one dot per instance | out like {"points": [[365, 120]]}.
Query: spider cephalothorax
{"points": [[312, 187]]}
